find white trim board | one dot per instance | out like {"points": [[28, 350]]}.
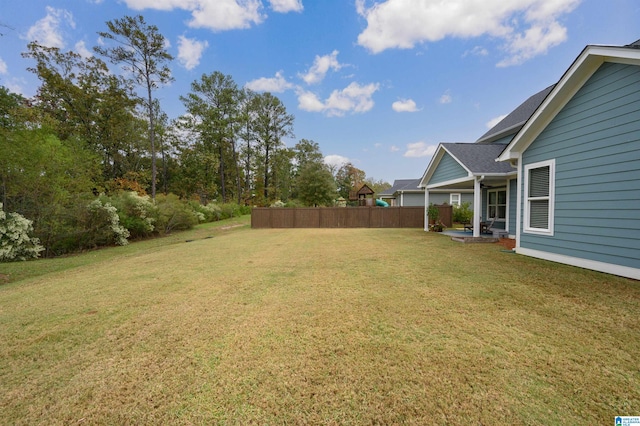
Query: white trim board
{"points": [[609, 268]]}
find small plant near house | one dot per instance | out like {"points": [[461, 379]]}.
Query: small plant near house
{"points": [[462, 213], [435, 224], [437, 227]]}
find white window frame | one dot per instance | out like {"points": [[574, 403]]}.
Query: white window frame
{"points": [[551, 198], [454, 202], [506, 203]]}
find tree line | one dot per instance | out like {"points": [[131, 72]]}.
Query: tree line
{"points": [[96, 128]]}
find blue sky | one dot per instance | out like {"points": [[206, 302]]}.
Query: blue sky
{"points": [[377, 83]]}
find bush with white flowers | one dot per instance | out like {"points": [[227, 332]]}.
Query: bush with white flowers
{"points": [[15, 242], [104, 217]]}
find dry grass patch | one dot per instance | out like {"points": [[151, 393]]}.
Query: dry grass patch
{"points": [[322, 327]]}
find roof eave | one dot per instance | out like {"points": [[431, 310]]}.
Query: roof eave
{"points": [[572, 80], [494, 137]]}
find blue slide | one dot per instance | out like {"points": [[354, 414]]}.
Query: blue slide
{"points": [[381, 203]]}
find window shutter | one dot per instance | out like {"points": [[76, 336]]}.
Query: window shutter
{"points": [[539, 182], [539, 214]]}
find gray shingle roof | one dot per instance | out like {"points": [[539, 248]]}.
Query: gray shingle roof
{"points": [[402, 185], [634, 45], [479, 158], [517, 117]]}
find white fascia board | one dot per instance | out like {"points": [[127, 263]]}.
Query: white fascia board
{"points": [[451, 190], [450, 182], [433, 164], [431, 167], [504, 175]]}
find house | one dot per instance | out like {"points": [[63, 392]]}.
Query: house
{"points": [[469, 171], [408, 193], [573, 192], [404, 193]]}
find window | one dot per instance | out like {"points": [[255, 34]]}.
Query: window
{"points": [[454, 199], [539, 187], [497, 204]]}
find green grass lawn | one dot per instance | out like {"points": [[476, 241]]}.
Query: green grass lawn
{"points": [[315, 326]]}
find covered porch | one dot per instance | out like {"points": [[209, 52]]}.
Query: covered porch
{"points": [[458, 167]]}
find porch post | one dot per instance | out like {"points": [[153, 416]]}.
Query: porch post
{"points": [[426, 209], [477, 206]]}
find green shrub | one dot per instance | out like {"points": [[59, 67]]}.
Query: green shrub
{"points": [[102, 226], [137, 213], [174, 214], [209, 213], [462, 213], [15, 242]]}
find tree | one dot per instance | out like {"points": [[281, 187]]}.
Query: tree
{"points": [[316, 186], [349, 178], [272, 123], [142, 50], [306, 152], [248, 136], [377, 186], [214, 104], [79, 96]]}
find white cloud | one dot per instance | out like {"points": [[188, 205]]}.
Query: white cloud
{"points": [[285, 6], [190, 51], [537, 40], [527, 27], [321, 65], [476, 51], [47, 31], [275, 84], [308, 101], [81, 49], [495, 121], [419, 149], [353, 98], [335, 160], [446, 98], [404, 105], [3, 67], [218, 15], [394, 148]]}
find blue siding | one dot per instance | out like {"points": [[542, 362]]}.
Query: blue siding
{"points": [[412, 200], [438, 198], [445, 197], [468, 198], [595, 140], [447, 169]]}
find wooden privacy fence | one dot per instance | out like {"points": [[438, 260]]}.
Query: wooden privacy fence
{"points": [[338, 217]]}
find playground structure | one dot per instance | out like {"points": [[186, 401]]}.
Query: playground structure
{"points": [[365, 197]]}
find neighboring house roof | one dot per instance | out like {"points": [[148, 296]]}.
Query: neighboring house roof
{"points": [[402, 185], [516, 119], [587, 63]]}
